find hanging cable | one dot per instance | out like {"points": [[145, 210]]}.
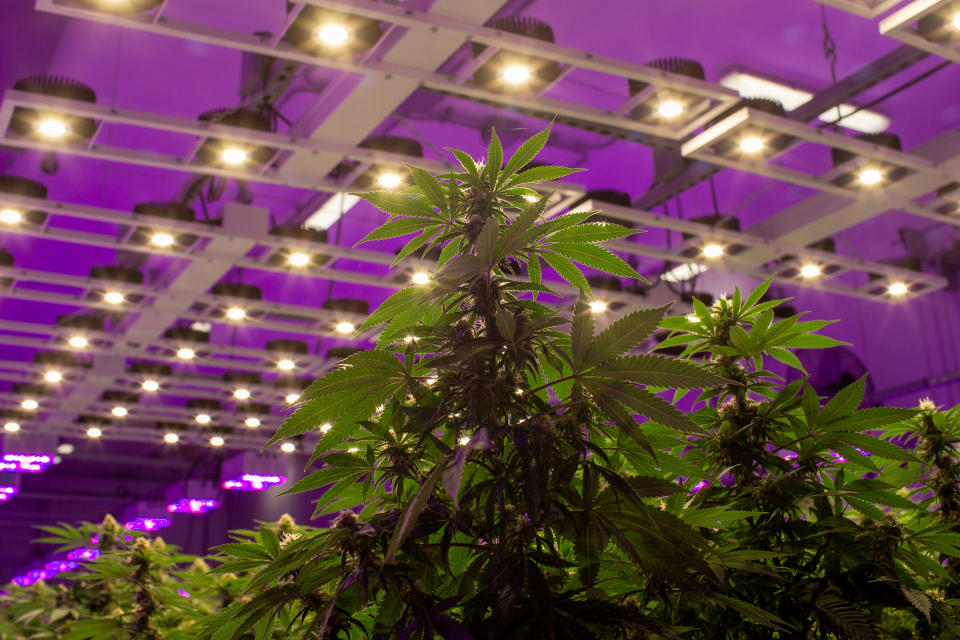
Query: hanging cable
{"points": [[829, 51]]}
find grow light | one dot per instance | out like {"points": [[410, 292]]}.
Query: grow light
{"points": [[252, 482], [147, 524], [60, 566], [7, 492], [193, 505], [28, 462], [84, 555]]}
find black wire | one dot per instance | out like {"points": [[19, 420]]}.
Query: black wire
{"points": [[829, 51]]}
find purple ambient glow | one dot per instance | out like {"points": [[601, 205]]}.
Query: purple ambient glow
{"points": [[28, 462], [147, 524], [193, 505], [83, 555], [252, 482]]}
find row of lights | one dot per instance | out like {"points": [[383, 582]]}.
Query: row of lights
{"points": [[754, 144]]}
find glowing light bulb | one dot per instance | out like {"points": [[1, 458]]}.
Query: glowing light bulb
{"points": [[325, 427], [150, 385], [203, 418], [870, 177], [52, 128], [217, 441], [421, 277], [186, 353], [11, 427], [10, 216], [516, 74], [30, 404], [171, 438], [810, 271], [53, 377], [299, 259], [162, 239], [78, 342], [233, 156], [694, 318], [241, 394], [251, 422], [119, 412], [670, 109], [332, 34], [897, 288], [345, 327], [288, 447], [292, 397], [598, 306], [286, 364], [751, 144], [94, 432], [236, 313], [713, 251], [389, 180], [113, 297]]}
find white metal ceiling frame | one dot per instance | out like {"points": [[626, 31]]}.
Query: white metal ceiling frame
{"points": [[730, 263], [898, 25], [751, 120], [863, 8], [429, 78]]}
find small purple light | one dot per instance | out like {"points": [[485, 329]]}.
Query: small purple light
{"points": [[84, 555], [41, 574], [147, 524], [192, 505], [59, 566], [252, 482], [183, 593], [23, 581]]}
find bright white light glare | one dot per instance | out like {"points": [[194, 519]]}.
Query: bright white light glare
{"points": [[53, 377], [409, 339], [94, 432], [65, 448], [78, 342], [52, 128], [292, 397], [253, 423], [430, 381], [236, 313], [598, 306], [464, 440], [241, 394], [684, 272], [216, 441], [332, 34], [30, 404], [694, 318], [299, 259], [345, 327], [119, 412], [516, 74], [288, 447], [331, 211], [10, 216], [750, 86], [956, 21], [286, 364], [150, 385], [389, 180], [670, 109], [870, 177], [713, 251], [162, 239], [113, 297], [751, 144], [421, 277], [186, 353], [810, 271], [353, 450], [531, 198], [325, 427], [897, 289], [11, 427], [203, 418], [233, 156], [171, 438]]}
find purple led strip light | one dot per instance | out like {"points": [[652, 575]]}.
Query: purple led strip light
{"points": [[147, 524], [252, 482], [28, 462], [7, 492], [192, 505]]}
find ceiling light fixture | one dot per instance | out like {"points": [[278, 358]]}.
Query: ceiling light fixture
{"points": [[150, 385], [598, 306], [78, 342], [345, 327], [421, 277], [203, 418], [113, 297], [331, 211], [11, 427], [30, 404], [516, 74], [119, 412], [389, 180], [94, 432], [236, 313], [288, 447], [186, 353], [10, 216], [810, 271], [171, 438], [286, 364], [670, 109], [751, 144], [332, 34], [233, 156], [299, 259], [162, 239], [52, 128], [292, 397], [217, 441], [53, 377], [252, 422], [897, 288], [713, 251], [870, 177], [241, 394]]}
